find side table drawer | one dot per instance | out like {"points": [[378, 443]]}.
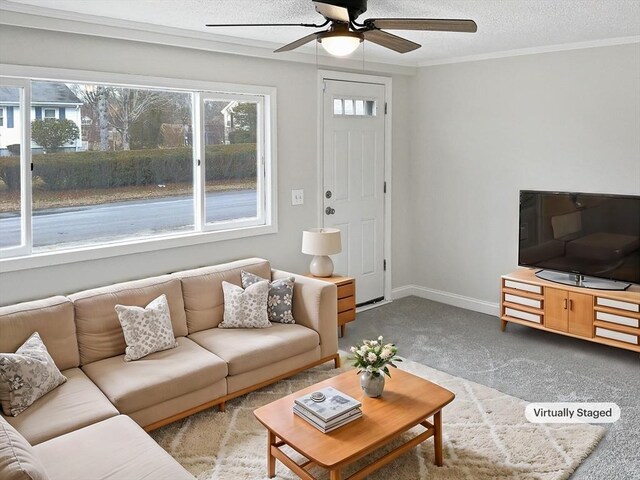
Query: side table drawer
{"points": [[347, 303], [348, 316], [346, 290]]}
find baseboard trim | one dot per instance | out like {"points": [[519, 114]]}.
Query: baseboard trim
{"points": [[448, 298]]}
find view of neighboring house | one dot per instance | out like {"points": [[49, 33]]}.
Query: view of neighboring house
{"points": [[48, 100], [227, 114]]}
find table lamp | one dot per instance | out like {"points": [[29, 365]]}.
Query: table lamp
{"points": [[321, 242]]}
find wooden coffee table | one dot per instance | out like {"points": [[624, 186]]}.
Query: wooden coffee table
{"points": [[407, 401]]}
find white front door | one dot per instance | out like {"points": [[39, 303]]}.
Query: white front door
{"points": [[353, 163]]}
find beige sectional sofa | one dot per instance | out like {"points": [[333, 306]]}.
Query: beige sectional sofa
{"points": [[98, 412]]}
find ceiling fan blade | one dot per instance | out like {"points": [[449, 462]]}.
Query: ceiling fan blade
{"points": [[297, 43], [332, 12], [388, 40], [266, 25], [434, 24]]}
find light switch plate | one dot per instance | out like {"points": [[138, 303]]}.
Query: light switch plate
{"points": [[297, 197]]}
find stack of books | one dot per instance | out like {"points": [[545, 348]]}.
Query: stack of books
{"points": [[327, 409]]}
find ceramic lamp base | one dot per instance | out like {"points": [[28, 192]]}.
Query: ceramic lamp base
{"points": [[321, 266]]}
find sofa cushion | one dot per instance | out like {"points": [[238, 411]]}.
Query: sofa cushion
{"points": [[18, 461], [146, 330], [99, 332], [202, 290], [246, 349], [245, 308], [280, 301], [114, 449], [73, 405], [27, 375], [52, 318], [160, 376]]}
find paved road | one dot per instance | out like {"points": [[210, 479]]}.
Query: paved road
{"points": [[125, 219]]}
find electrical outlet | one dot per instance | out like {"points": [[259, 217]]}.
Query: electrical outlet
{"points": [[297, 197]]}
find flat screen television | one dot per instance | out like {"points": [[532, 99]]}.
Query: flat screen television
{"points": [[581, 239]]}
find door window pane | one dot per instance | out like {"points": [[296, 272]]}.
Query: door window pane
{"points": [[231, 159], [348, 107], [116, 164], [337, 106], [352, 106], [370, 108]]}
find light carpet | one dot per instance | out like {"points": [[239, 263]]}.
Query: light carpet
{"points": [[485, 433]]}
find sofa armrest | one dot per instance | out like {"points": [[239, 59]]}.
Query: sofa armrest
{"points": [[315, 305]]}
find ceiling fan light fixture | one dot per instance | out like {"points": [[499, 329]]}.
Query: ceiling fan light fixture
{"points": [[340, 44]]}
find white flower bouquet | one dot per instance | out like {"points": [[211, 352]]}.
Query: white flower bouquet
{"points": [[374, 356]]}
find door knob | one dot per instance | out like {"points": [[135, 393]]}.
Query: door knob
{"points": [[329, 211]]}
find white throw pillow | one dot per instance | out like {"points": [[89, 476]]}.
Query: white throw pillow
{"points": [[245, 308], [27, 375], [146, 330]]}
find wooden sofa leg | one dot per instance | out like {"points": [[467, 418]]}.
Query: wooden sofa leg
{"points": [[222, 406], [337, 361]]}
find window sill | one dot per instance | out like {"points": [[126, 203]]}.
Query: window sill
{"points": [[88, 253]]}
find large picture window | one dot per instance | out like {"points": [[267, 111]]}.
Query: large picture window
{"points": [[110, 164]]}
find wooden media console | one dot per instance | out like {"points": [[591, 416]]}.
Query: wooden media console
{"points": [[601, 316]]}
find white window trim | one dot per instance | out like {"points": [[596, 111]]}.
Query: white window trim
{"points": [[93, 252]]}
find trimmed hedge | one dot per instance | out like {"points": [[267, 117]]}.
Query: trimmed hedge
{"points": [[86, 170]]}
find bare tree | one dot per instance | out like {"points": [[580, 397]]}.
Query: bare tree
{"points": [[95, 100], [103, 122], [126, 105]]}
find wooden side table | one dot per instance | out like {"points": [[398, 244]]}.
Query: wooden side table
{"points": [[346, 298]]}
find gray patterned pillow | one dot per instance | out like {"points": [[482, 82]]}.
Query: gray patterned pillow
{"points": [[280, 299], [27, 375], [146, 330], [245, 308]]}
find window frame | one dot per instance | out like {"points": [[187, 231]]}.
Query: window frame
{"points": [[2, 116], [14, 260], [51, 109]]}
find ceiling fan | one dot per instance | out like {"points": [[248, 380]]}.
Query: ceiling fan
{"points": [[345, 34]]}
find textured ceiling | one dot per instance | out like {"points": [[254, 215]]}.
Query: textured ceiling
{"points": [[503, 25]]}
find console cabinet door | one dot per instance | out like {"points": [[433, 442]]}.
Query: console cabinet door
{"points": [[581, 314], [556, 309]]}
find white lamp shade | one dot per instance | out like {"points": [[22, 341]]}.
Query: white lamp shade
{"points": [[340, 46], [321, 241]]}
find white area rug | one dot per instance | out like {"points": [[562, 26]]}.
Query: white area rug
{"points": [[486, 436]]}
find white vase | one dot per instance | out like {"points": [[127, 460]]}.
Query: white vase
{"points": [[372, 385]]}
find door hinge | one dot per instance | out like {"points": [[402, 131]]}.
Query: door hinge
{"points": [[324, 87], [385, 187], [384, 265], [385, 108], [32, 166]]}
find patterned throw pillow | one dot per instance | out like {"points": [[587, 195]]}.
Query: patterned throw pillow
{"points": [[280, 299], [245, 308], [146, 330], [27, 375]]}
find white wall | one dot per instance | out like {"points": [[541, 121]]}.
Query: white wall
{"points": [[466, 137], [297, 130], [484, 130]]}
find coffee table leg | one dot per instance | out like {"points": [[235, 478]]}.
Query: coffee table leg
{"points": [[437, 437], [271, 460], [335, 474]]}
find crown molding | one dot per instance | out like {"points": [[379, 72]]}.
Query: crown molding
{"points": [[29, 16], [42, 18], [607, 42]]}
